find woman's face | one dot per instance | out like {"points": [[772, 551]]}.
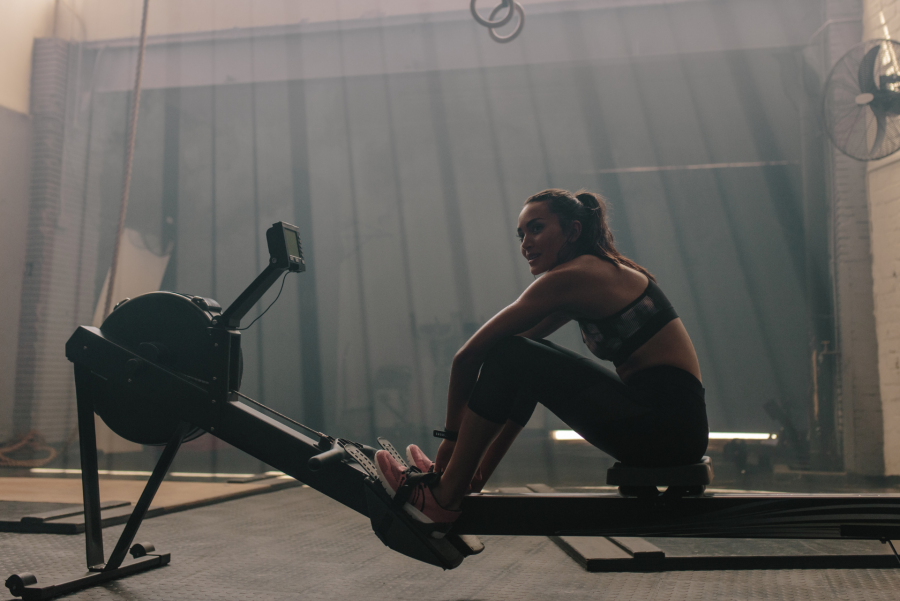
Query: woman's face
{"points": [[542, 236]]}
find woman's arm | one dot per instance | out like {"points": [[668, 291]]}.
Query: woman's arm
{"points": [[547, 326], [546, 297]]}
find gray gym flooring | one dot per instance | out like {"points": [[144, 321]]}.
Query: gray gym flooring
{"points": [[298, 544]]}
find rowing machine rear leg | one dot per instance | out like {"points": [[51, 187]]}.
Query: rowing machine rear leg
{"points": [[25, 585]]}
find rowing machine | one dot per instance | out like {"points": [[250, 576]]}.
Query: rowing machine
{"points": [[164, 368]]}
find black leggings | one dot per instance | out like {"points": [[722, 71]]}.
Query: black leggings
{"points": [[657, 419]]}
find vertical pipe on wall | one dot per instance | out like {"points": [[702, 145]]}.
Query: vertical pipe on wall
{"points": [[818, 282], [213, 218]]}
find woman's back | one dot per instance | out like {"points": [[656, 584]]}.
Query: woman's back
{"points": [[604, 290]]}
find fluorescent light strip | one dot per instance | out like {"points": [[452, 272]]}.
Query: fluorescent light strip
{"points": [[566, 435], [49, 470], [742, 436], [208, 475], [573, 435]]}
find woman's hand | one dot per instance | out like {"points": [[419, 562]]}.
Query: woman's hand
{"points": [[445, 451]]}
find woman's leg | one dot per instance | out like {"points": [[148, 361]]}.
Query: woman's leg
{"points": [[475, 435], [456, 481], [494, 454], [516, 375]]}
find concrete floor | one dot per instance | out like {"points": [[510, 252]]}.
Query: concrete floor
{"points": [[298, 544]]}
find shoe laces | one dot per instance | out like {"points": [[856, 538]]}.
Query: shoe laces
{"points": [[412, 487]]}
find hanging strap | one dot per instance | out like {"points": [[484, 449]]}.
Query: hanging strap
{"points": [[129, 159]]}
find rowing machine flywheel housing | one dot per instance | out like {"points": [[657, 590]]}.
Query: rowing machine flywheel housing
{"points": [[171, 330]]}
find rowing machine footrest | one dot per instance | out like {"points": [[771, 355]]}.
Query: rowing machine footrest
{"points": [[681, 480], [396, 530]]}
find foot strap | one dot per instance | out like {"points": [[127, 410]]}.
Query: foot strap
{"points": [[414, 479], [387, 446]]}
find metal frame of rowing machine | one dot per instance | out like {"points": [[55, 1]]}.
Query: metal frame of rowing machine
{"points": [[215, 408], [99, 571]]}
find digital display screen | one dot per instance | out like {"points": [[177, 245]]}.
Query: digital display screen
{"points": [[293, 245]]}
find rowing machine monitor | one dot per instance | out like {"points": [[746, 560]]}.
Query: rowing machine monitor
{"points": [[285, 249], [285, 254]]}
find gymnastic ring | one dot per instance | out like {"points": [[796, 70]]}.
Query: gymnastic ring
{"points": [[491, 23], [509, 37]]}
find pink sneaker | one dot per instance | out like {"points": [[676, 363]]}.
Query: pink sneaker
{"points": [[415, 456], [420, 502]]}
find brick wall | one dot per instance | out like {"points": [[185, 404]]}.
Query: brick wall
{"points": [[858, 403], [881, 19]]}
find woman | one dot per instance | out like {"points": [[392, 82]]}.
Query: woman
{"points": [[652, 414]]}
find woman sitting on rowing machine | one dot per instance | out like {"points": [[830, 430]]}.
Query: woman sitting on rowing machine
{"points": [[652, 414]]}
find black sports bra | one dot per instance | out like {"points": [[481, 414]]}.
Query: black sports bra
{"points": [[616, 337]]}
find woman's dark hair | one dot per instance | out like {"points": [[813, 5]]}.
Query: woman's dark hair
{"points": [[590, 210]]}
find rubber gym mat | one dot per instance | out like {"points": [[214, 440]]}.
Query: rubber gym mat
{"points": [[298, 544]]}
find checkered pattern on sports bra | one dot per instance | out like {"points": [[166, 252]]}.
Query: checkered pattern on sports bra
{"points": [[604, 339]]}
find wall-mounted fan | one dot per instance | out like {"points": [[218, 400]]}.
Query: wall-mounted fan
{"points": [[862, 101]]}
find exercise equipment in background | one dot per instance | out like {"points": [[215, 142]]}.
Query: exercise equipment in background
{"points": [[493, 22]]}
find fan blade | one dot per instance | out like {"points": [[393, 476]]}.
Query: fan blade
{"points": [[881, 123], [865, 74]]}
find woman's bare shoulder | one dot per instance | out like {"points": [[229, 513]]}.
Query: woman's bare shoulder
{"points": [[589, 268], [575, 278], [593, 287]]}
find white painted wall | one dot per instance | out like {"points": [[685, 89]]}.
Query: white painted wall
{"points": [[20, 22], [882, 20]]}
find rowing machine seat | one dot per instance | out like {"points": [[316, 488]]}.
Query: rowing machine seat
{"points": [[680, 480]]}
